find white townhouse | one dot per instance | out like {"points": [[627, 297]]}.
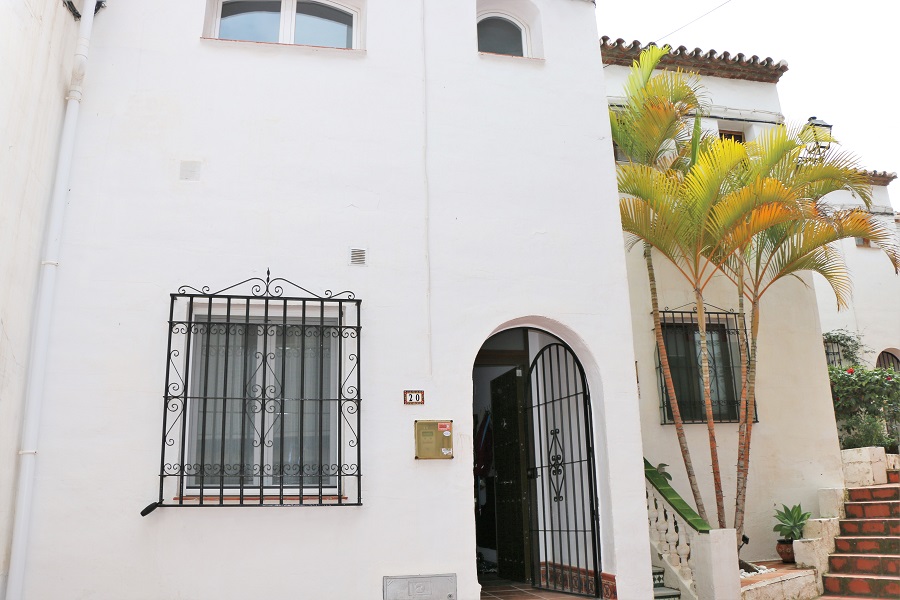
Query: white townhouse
{"points": [[282, 217], [329, 299], [874, 311]]}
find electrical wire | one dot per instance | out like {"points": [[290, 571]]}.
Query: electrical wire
{"points": [[686, 24], [694, 21]]}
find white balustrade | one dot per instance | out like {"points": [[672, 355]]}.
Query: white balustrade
{"points": [[671, 538]]}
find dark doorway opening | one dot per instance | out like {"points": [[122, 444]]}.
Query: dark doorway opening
{"points": [[535, 501]]}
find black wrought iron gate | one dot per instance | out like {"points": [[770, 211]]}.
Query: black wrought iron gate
{"points": [[565, 551]]}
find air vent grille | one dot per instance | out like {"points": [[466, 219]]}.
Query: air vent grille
{"points": [[357, 256]]}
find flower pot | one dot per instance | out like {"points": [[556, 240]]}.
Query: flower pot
{"points": [[785, 549]]}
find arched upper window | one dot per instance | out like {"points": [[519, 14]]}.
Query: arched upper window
{"points": [[286, 21], [499, 35], [888, 360]]}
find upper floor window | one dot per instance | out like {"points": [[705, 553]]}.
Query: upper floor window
{"points": [[261, 398], [737, 136], [500, 35], [287, 22]]}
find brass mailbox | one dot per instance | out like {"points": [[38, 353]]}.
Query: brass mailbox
{"points": [[434, 439]]}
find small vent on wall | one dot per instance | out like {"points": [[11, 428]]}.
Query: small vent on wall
{"points": [[358, 256]]}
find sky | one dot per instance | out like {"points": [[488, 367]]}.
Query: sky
{"points": [[842, 65]]}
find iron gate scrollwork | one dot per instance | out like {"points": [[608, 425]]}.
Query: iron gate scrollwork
{"points": [[565, 550]]}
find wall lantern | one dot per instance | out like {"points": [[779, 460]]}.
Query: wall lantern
{"points": [[821, 135]]}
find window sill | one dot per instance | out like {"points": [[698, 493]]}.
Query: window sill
{"points": [[507, 57], [268, 499], [357, 52]]}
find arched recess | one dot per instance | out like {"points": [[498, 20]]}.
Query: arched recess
{"points": [[523, 14], [535, 470], [889, 359]]}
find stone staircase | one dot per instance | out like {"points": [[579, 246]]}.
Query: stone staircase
{"points": [[866, 561], [659, 587]]}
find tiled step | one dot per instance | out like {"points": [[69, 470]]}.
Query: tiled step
{"points": [[861, 586], [875, 492], [893, 476], [867, 545], [864, 564], [874, 527], [659, 587], [877, 509]]}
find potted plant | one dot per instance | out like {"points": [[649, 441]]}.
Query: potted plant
{"points": [[790, 528]]}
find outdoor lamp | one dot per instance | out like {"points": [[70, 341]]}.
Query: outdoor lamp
{"points": [[819, 126]]}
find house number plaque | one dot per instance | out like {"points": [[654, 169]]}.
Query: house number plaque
{"points": [[413, 396]]}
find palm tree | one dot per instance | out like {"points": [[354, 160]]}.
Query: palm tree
{"points": [[650, 130], [781, 158], [697, 218]]}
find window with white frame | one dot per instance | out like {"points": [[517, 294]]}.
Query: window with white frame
{"points": [[501, 34], [321, 23], [262, 397]]}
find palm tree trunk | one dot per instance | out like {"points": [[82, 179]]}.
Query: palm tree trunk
{"points": [[707, 402], [670, 386], [741, 500], [742, 430]]}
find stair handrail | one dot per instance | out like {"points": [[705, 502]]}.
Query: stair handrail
{"points": [[673, 525]]}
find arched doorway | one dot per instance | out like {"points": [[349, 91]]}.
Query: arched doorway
{"points": [[535, 490]]}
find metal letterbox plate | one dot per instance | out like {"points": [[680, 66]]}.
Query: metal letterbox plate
{"points": [[420, 587], [434, 439]]}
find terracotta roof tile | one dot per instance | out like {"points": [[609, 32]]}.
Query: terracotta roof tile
{"points": [[711, 63], [880, 178]]}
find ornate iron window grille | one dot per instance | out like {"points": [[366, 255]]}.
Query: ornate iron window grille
{"points": [[887, 360], [833, 354], [682, 339], [262, 397]]}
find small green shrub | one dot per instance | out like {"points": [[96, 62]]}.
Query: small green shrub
{"points": [[863, 430], [866, 405], [790, 522]]}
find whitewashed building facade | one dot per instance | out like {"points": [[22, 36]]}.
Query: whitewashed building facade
{"points": [[477, 190], [282, 254]]}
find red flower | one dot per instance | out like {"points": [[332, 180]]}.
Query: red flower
{"points": [[850, 370]]}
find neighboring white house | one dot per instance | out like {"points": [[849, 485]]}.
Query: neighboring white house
{"points": [[307, 248], [874, 311]]}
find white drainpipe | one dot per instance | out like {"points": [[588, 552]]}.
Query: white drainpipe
{"points": [[40, 329]]}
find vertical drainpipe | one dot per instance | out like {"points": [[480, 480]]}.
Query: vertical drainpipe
{"points": [[40, 327]]}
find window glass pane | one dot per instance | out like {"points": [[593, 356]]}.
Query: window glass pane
{"points": [[263, 402], [250, 20], [499, 36], [320, 25]]}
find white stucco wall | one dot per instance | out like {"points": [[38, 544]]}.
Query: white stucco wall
{"points": [[36, 42], [794, 449], [874, 310], [483, 188]]}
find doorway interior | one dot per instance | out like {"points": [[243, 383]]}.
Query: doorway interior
{"points": [[533, 472]]}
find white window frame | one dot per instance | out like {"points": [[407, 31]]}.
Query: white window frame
{"points": [[523, 27], [288, 21]]}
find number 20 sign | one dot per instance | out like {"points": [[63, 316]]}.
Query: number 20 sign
{"points": [[413, 397]]}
